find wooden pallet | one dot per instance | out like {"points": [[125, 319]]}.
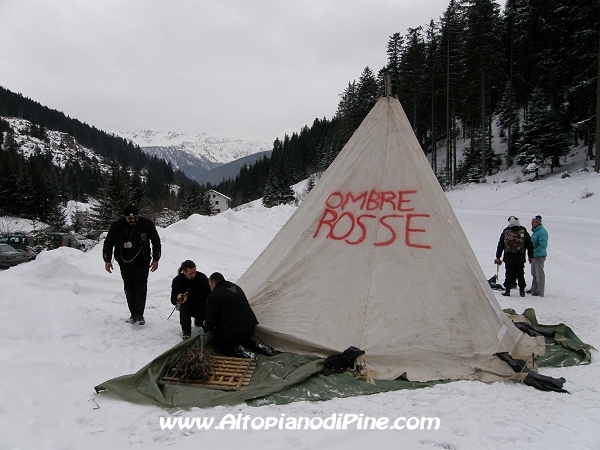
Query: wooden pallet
{"points": [[228, 374]]}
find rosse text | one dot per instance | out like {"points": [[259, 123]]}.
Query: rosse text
{"points": [[347, 216]]}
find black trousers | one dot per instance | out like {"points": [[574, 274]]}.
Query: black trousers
{"points": [[135, 284], [227, 345], [186, 312], [514, 273]]}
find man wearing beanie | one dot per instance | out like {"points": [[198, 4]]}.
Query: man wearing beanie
{"points": [[130, 237], [514, 242], [539, 238]]}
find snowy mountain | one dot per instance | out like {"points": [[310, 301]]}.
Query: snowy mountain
{"points": [[62, 146], [195, 155], [232, 169]]}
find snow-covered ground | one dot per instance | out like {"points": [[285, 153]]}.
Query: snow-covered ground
{"points": [[63, 332]]}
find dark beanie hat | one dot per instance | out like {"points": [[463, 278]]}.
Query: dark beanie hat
{"points": [[538, 219], [130, 210]]}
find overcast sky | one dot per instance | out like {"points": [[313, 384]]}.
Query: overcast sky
{"points": [[243, 69]]}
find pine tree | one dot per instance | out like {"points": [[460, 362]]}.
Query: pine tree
{"points": [[469, 169], [451, 45], [186, 205], [114, 196], [483, 64], [441, 175], [55, 217], [544, 139], [287, 195], [368, 92], [77, 224], [206, 207], [584, 94], [348, 111], [137, 188], [195, 202], [508, 116], [278, 190], [271, 193], [312, 181], [11, 188], [394, 52], [268, 199], [414, 81]]}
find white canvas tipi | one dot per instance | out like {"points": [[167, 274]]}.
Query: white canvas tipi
{"points": [[375, 258]]}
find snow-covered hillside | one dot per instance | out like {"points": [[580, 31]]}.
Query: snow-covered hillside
{"points": [[193, 154], [61, 146]]}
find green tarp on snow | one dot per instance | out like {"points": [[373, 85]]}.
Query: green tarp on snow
{"points": [[280, 379], [144, 386], [288, 377], [564, 348]]}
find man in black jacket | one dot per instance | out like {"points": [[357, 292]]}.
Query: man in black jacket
{"points": [[130, 237], [232, 320], [189, 290], [514, 242]]}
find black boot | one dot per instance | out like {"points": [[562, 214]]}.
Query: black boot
{"points": [[263, 348], [522, 292], [242, 352], [506, 293]]}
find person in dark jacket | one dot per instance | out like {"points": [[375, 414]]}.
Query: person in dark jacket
{"points": [[232, 320], [514, 243], [189, 290], [130, 238]]}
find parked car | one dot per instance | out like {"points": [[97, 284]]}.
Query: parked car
{"points": [[95, 234], [18, 241], [57, 239], [84, 243], [10, 256]]}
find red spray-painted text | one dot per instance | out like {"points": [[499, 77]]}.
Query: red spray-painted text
{"points": [[348, 215]]}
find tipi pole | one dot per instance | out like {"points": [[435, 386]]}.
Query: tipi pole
{"points": [[387, 80]]}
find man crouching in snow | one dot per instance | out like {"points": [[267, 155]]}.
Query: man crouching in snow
{"points": [[232, 320], [189, 290]]}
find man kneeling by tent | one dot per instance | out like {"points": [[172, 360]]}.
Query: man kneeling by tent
{"points": [[232, 320]]}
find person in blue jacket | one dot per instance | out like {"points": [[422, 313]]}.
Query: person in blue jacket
{"points": [[539, 239]]}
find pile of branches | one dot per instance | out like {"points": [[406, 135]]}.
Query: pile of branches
{"points": [[194, 365]]}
